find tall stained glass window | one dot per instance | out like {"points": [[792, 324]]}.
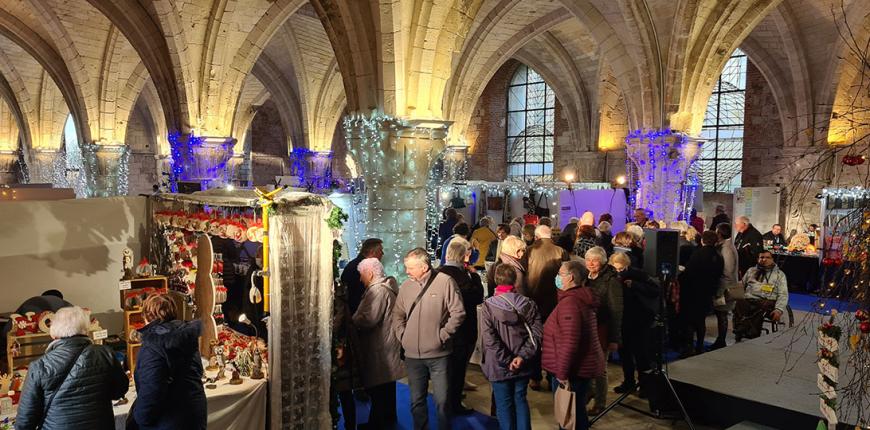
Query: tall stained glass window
{"points": [[720, 166], [530, 118]]}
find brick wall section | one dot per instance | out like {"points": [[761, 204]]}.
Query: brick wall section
{"points": [[268, 145], [762, 133], [486, 135]]}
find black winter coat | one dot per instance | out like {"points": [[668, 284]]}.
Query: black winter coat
{"points": [[169, 391], [72, 387], [698, 284], [749, 244], [471, 290], [640, 297]]}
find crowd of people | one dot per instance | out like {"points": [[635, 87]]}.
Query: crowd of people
{"points": [[548, 312]]}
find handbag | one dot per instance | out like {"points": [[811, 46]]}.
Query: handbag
{"points": [[565, 406], [410, 311]]}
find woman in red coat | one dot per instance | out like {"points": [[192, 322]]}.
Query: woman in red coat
{"points": [[571, 350]]}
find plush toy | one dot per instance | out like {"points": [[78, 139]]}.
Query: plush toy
{"points": [[144, 270]]}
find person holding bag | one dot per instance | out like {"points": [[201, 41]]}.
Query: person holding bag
{"points": [[511, 332], [571, 350]]}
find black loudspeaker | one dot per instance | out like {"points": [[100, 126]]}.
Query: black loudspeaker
{"points": [[189, 187], [662, 252]]}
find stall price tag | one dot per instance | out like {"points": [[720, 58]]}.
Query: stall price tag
{"points": [[100, 334], [125, 285]]}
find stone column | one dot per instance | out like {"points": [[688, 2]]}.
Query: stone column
{"points": [[662, 159], [48, 166], [455, 165], [8, 161], [202, 159], [105, 169], [394, 157]]}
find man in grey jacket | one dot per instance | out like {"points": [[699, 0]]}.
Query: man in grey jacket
{"points": [[766, 294], [424, 331]]}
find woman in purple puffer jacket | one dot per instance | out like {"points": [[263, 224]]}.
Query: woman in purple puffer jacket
{"points": [[511, 332]]}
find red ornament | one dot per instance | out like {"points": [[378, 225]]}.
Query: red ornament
{"points": [[827, 262], [853, 160], [865, 327], [862, 315]]}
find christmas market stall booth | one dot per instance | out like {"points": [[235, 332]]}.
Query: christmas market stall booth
{"points": [[253, 265], [257, 269]]}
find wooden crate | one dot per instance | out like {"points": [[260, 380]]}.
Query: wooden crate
{"points": [[31, 347]]}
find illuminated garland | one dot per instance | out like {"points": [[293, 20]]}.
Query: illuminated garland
{"points": [[658, 162], [199, 160], [312, 168], [106, 170]]}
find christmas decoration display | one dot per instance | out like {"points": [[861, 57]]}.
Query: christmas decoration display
{"points": [[24, 324], [829, 365], [237, 227], [201, 159], [659, 161]]}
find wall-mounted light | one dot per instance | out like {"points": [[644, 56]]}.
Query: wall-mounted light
{"points": [[620, 180]]}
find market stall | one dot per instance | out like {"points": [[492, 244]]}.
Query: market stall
{"points": [[257, 269]]}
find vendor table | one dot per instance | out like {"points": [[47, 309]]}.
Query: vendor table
{"points": [[241, 407], [802, 271]]}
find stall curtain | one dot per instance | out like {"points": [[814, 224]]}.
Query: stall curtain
{"points": [[301, 310]]}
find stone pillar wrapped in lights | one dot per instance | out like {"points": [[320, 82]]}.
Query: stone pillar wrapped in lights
{"points": [[105, 169], [201, 159], [313, 169], [48, 166], [8, 170], [455, 164], [661, 160], [395, 157]]}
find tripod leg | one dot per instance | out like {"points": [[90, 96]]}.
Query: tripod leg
{"points": [[612, 405], [679, 402]]}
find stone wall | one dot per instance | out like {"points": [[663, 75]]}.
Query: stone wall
{"points": [[268, 145], [763, 164], [142, 142]]}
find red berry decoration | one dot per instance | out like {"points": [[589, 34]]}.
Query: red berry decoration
{"points": [[865, 327], [862, 315]]}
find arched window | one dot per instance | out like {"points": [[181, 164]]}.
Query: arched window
{"points": [[720, 166], [71, 145], [530, 119]]}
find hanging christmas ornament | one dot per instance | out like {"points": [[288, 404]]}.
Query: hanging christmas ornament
{"points": [[865, 327]]}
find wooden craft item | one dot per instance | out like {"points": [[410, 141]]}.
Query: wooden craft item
{"points": [[236, 379], [204, 294]]}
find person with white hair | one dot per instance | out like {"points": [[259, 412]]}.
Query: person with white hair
{"points": [[636, 233], [544, 260], [73, 385], [605, 283], [749, 244], [471, 290], [379, 349]]}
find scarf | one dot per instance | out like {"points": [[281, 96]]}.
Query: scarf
{"points": [[501, 289]]}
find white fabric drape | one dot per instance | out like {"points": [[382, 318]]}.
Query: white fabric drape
{"points": [[301, 313]]}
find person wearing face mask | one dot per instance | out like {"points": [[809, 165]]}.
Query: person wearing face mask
{"points": [[169, 390], [571, 350], [640, 295], [766, 294]]}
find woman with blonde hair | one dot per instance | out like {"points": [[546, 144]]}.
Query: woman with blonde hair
{"points": [[512, 251]]}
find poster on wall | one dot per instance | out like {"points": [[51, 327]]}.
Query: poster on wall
{"points": [[572, 203], [759, 204]]}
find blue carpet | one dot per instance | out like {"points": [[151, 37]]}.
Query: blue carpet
{"points": [[475, 421], [811, 303]]}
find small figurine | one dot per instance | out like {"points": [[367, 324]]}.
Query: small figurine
{"points": [[144, 270], [222, 362], [257, 372], [236, 379], [127, 264]]}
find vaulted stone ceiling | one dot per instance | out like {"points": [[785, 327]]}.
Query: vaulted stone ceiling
{"points": [[205, 65]]}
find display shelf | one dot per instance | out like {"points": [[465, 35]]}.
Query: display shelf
{"points": [[31, 346]]}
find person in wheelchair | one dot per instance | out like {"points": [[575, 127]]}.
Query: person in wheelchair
{"points": [[766, 295]]}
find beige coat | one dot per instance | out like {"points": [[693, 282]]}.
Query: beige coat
{"points": [[426, 333], [378, 346], [545, 258]]}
